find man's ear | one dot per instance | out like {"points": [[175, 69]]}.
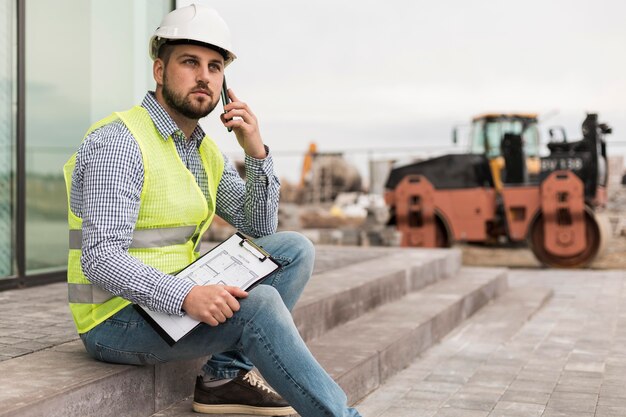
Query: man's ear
{"points": [[158, 67]]}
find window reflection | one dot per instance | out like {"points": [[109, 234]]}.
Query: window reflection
{"points": [[7, 132], [92, 61]]}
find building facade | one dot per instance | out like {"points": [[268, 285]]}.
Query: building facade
{"points": [[64, 64]]}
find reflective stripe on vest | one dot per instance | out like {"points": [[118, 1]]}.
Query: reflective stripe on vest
{"points": [[87, 294], [147, 238]]}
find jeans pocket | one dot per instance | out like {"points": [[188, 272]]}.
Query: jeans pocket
{"points": [[112, 355]]}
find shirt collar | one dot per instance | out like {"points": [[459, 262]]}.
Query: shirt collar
{"points": [[166, 126]]}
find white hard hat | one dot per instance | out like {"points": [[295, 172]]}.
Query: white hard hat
{"points": [[196, 23]]}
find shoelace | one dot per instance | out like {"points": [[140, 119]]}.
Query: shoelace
{"points": [[256, 381]]}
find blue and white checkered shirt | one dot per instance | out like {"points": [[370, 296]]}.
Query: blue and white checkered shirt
{"points": [[106, 189]]}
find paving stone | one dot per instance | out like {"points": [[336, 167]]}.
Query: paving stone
{"points": [[13, 351], [31, 345], [572, 401], [531, 397], [436, 386], [453, 378], [580, 385], [475, 402], [415, 394], [613, 391], [605, 411], [532, 385], [471, 388], [10, 340], [405, 412], [585, 365], [582, 374], [382, 400], [611, 402], [558, 413], [460, 412], [492, 379], [419, 403], [539, 375], [517, 409]]}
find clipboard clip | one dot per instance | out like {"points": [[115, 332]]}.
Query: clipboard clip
{"points": [[254, 249]]}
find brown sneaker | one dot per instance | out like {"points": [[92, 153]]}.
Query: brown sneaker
{"points": [[246, 394]]}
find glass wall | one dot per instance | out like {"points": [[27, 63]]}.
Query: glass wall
{"points": [[8, 47], [84, 60]]}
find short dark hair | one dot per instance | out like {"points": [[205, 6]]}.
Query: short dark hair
{"points": [[165, 50]]}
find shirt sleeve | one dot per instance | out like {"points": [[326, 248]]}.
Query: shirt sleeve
{"points": [[251, 206], [110, 172]]}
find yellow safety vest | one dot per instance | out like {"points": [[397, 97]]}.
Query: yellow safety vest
{"points": [[173, 215]]}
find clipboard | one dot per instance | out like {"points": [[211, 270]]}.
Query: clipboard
{"points": [[237, 261]]}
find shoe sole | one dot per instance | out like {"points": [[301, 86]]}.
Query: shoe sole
{"points": [[242, 409]]}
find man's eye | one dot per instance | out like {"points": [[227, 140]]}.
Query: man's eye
{"points": [[191, 62], [215, 67]]}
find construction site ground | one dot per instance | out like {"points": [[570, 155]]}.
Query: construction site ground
{"points": [[614, 256], [521, 257]]}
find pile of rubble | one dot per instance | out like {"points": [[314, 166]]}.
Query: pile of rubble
{"points": [[616, 209], [353, 218]]}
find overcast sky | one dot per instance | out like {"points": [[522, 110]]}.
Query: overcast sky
{"points": [[373, 74]]}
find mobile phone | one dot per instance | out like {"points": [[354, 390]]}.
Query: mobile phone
{"points": [[225, 98]]}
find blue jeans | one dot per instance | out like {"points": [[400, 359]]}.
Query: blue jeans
{"points": [[262, 334]]}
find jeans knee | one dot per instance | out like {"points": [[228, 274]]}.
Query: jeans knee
{"points": [[302, 246], [263, 296], [264, 302]]}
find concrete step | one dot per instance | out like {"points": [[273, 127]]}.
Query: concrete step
{"points": [[362, 354], [337, 296], [64, 381]]}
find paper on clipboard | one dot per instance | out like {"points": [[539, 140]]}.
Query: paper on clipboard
{"points": [[236, 262]]}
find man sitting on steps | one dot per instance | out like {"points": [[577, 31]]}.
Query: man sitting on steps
{"points": [[144, 186]]}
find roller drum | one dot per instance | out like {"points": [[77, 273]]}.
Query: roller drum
{"points": [[597, 233]]}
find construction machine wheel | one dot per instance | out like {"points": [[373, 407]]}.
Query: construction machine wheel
{"points": [[595, 235]]}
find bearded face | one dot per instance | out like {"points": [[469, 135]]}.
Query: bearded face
{"points": [[194, 104]]}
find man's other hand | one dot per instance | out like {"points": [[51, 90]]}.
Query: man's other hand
{"points": [[213, 304]]}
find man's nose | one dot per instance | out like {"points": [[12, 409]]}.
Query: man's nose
{"points": [[203, 74]]}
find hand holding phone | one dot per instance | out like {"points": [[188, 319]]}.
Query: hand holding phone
{"points": [[225, 98], [247, 133]]}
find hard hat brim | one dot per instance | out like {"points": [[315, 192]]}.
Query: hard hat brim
{"points": [[157, 43]]}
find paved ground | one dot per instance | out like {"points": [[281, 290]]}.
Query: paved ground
{"points": [[568, 360]]}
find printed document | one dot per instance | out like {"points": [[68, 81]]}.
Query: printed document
{"points": [[236, 262]]}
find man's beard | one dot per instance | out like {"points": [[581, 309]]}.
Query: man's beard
{"points": [[183, 104]]}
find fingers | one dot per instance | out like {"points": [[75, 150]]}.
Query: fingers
{"points": [[238, 116], [236, 291], [223, 306], [237, 108], [213, 304]]}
